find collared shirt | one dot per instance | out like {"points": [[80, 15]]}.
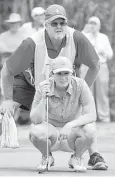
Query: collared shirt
{"points": [[29, 28], [50, 47], [101, 45], [9, 41], [69, 107]]}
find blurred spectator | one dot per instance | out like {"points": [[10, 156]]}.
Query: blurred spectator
{"points": [[12, 38], [38, 19], [103, 48]]}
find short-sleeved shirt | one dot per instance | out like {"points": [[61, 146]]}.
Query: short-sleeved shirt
{"points": [[9, 42], [69, 107], [23, 57]]}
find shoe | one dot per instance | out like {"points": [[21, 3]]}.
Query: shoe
{"points": [[96, 162], [77, 163], [43, 166]]}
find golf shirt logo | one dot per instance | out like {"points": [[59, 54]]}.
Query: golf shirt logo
{"points": [[57, 11]]}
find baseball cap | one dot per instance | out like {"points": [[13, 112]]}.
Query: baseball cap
{"points": [[37, 11], [55, 11], [14, 18], [61, 64]]}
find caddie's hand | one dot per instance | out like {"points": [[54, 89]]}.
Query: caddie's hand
{"points": [[45, 88], [65, 131], [8, 105]]}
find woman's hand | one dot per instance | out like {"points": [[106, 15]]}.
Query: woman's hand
{"points": [[45, 88], [65, 131]]}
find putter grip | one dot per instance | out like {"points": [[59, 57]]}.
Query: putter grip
{"points": [[47, 74], [47, 71]]}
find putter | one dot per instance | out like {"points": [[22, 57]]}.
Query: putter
{"points": [[47, 78], [47, 136], [47, 70], [47, 132]]}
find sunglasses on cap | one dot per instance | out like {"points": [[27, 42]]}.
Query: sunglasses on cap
{"points": [[55, 24]]}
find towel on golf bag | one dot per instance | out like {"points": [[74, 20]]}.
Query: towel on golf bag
{"points": [[1, 116], [9, 138]]}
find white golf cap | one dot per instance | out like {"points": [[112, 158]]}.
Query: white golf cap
{"points": [[14, 18], [37, 11], [61, 64]]}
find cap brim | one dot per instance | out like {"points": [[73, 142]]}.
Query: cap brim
{"points": [[10, 21], [55, 17], [62, 69]]}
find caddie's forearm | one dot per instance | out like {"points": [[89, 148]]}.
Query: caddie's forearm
{"points": [[92, 74], [37, 114], [7, 80]]}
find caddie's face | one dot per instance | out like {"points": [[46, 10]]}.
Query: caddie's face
{"points": [[62, 79], [57, 29]]}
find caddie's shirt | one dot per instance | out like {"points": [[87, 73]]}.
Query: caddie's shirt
{"points": [[69, 107], [23, 57]]}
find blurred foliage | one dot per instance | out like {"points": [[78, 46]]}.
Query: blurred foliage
{"points": [[78, 11]]}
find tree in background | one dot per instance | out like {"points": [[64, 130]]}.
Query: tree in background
{"points": [[78, 10]]}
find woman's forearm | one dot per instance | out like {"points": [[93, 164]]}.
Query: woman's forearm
{"points": [[37, 114]]}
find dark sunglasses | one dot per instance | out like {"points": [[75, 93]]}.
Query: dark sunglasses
{"points": [[65, 73], [55, 24]]}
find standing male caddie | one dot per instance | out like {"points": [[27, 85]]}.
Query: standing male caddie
{"points": [[27, 65]]}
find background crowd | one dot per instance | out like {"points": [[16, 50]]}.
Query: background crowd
{"points": [[20, 19]]}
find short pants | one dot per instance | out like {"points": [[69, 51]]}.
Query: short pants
{"points": [[23, 92], [61, 145]]}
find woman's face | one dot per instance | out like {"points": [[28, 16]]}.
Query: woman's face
{"points": [[62, 79], [40, 19], [94, 27], [57, 29]]}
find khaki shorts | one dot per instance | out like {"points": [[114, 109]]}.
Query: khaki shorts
{"points": [[23, 92], [61, 145]]}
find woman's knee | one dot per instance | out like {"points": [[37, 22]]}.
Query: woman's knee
{"points": [[32, 138], [37, 132]]}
